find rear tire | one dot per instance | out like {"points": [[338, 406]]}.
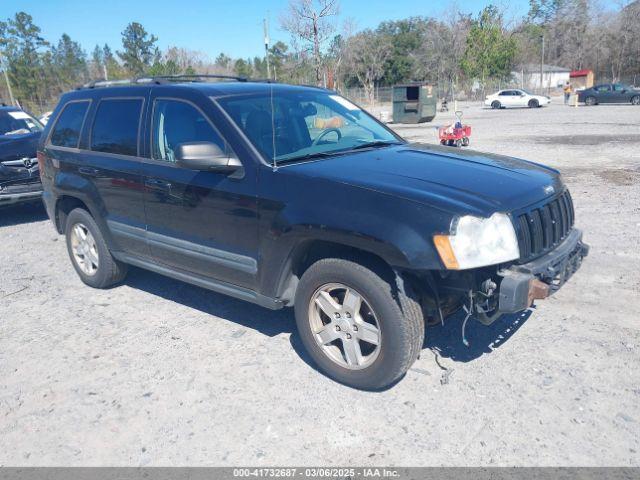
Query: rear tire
{"points": [[590, 101], [635, 100], [330, 320], [458, 143], [533, 103], [89, 253], [496, 105]]}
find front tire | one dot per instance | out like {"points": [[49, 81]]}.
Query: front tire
{"points": [[533, 103], [635, 100], [89, 253], [496, 105], [360, 327], [590, 101]]}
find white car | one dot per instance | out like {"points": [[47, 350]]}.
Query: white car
{"points": [[516, 98]]}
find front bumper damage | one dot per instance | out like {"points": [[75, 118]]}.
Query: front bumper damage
{"points": [[542, 277]]}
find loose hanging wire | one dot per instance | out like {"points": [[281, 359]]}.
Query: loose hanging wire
{"points": [[469, 312]]}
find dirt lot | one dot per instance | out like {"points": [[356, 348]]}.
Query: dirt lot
{"points": [[156, 372]]}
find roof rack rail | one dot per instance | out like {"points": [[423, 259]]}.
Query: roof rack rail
{"points": [[157, 79], [115, 83], [196, 76]]}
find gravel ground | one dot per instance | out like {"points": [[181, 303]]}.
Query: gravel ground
{"points": [[157, 372]]}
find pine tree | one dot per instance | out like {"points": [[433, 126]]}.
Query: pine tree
{"points": [[139, 49]]}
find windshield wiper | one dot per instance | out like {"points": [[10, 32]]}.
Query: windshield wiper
{"points": [[342, 151], [375, 144], [309, 156]]}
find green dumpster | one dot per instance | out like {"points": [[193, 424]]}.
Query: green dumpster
{"points": [[413, 103]]}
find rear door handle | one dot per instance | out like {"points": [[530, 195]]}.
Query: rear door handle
{"points": [[92, 172], [157, 183]]}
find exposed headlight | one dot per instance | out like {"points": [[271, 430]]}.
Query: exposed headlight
{"points": [[478, 242]]}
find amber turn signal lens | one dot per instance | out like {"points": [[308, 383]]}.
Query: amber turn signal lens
{"points": [[446, 252]]}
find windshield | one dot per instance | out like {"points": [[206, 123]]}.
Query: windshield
{"points": [[17, 123], [304, 124]]}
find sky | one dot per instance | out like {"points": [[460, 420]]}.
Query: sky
{"points": [[209, 26]]}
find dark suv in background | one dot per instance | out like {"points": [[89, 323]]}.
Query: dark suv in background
{"points": [[19, 175], [609, 93], [293, 196]]}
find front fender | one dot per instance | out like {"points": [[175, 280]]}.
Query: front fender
{"points": [[397, 230]]}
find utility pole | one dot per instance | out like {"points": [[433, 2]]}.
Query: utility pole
{"points": [[6, 79], [106, 73], [266, 45], [542, 65]]}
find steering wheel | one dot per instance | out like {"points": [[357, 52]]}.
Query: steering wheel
{"points": [[324, 133]]}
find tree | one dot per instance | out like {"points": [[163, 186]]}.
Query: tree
{"points": [[21, 45], [96, 65], [310, 21], [70, 62], [489, 52], [243, 68], [278, 58], [114, 69], [368, 51], [223, 61], [406, 37], [139, 50]]}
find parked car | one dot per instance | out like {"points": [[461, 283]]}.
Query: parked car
{"points": [[516, 98], [609, 93], [291, 196], [19, 174]]}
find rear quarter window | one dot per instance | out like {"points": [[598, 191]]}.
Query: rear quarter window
{"points": [[66, 131], [116, 125]]}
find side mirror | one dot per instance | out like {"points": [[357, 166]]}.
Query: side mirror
{"points": [[205, 156]]}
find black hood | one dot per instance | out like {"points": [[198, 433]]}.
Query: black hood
{"points": [[15, 147], [451, 179]]}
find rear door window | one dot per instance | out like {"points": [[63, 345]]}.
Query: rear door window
{"points": [[116, 126], [66, 131]]}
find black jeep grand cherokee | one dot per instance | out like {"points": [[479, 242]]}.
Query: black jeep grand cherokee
{"points": [[293, 196]]}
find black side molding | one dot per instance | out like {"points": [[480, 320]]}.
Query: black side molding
{"points": [[214, 285]]}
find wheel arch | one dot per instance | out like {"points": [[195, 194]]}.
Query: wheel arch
{"points": [[66, 203], [307, 252]]}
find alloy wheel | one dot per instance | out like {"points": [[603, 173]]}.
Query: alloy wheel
{"points": [[344, 326], [85, 249]]}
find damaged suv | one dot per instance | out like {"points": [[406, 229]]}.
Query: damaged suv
{"points": [[290, 196], [19, 175]]}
